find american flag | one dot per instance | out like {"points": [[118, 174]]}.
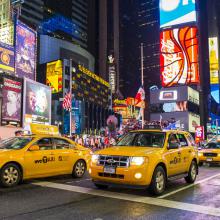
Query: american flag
{"points": [[67, 101]]}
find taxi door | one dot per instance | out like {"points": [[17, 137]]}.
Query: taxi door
{"points": [[173, 157], [40, 163], [65, 156], [186, 152]]}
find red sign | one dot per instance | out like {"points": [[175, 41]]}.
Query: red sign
{"points": [[179, 56], [199, 135]]}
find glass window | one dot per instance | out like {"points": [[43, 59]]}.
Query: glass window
{"points": [[213, 145], [45, 144], [15, 143], [61, 143], [182, 140], [173, 139], [143, 139]]}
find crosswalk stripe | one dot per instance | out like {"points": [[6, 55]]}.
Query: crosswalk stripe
{"points": [[134, 198]]}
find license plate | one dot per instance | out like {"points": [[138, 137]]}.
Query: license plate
{"points": [[208, 159], [110, 170]]}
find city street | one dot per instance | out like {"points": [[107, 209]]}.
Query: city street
{"points": [[68, 198]]}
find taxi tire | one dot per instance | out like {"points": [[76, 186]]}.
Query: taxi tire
{"points": [[74, 173], [153, 186], [19, 175], [190, 178]]}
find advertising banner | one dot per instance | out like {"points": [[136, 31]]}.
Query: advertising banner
{"points": [[179, 57], [176, 12], [199, 134], [11, 106], [213, 60], [37, 103], [194, 121], [54, 74], [25, 61], [7, 58]]}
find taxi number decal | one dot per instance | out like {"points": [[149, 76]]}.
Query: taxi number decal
{"points": [[45, 160], [175, 160], [62, 158]]}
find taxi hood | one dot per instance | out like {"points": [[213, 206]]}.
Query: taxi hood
{"points": [[128, 151]]}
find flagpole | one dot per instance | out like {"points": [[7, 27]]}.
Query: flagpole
{"points": [[71, 97], [142, 81]]}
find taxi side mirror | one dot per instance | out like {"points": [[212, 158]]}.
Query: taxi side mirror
{"points": [[34, 148], [173, 146]]}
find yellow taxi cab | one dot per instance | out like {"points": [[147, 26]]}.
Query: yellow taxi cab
{"points": [[42, 154], [146, 158], [210, 153]]}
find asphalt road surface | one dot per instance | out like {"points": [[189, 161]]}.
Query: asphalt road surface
{"points": [[67, 198]]}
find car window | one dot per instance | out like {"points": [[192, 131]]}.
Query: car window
{"points": [[213, 145], [173, 139], [191, 140], [143, 139], [61, 143], [182, 140], [15, 143], [45, 144]]}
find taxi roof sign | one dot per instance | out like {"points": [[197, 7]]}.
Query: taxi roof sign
{"points": [[44, 129]]}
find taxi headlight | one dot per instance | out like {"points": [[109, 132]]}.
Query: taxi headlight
{"points": [[137, 161], [200, 154], [95, 158]]}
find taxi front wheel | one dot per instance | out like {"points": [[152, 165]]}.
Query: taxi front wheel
{"points": [[192, 173], [10, 175], [79, 169], [158, 182]]}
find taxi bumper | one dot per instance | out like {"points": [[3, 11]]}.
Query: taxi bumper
{"points": [[132, 175], [209, 159]]}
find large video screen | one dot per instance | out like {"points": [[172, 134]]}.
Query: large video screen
{"points": [[179, 57], [37, 103], [7, 59], [25, 65], [175, 12], [55, 76], [11, 104]]}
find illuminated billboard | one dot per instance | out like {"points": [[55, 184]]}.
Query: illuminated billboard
{"points": [[36, 103], [213, 60], [11, 104], [7, 59], [54, 74], [25, 61], [176, 12], [179, 56]]}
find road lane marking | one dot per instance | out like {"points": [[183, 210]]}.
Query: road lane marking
{"points": [[134, 198], [188, 186]]}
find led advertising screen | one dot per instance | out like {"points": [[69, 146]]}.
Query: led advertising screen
{"points": [[37, 103], [179, 57], [7, 58], [194, 121], [25, 61], [54, 74], [213, 60], [11, 104], [176, 12]]}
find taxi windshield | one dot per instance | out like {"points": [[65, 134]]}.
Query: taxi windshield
{"points": [[143, 139], [213, 145], [15, 143]]}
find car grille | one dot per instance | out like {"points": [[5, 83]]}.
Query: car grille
{"points": [[210, 154], [119, 176], [118, 161]]}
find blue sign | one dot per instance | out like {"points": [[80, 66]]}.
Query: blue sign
{"points": [[175, 12]]}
